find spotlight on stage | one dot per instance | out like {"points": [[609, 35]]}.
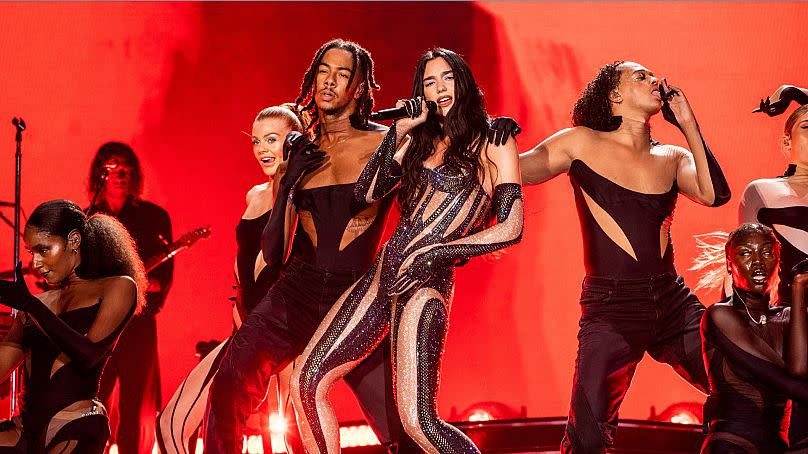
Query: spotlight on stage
{"points": [[278, 427], [680, 413], [352, 436], [487, 411]]}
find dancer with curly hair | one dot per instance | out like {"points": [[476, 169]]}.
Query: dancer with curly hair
{"points": [[626, 186], [64, 336]]}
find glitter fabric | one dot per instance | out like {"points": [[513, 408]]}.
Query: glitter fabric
{"points": [[410, 287]]}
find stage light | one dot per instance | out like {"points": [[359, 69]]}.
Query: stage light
{"points": [[277, 424], [487, 411], [360, 435], [113, 449], [200, 446], [480, 415], [254, 445], [680, 413]]}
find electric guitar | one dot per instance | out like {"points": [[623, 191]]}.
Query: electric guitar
{"points": [[174, 248]]}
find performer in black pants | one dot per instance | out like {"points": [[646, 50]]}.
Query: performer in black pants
{"points": [[782, 204], [335, 243], [134, 363], [626, 186]]}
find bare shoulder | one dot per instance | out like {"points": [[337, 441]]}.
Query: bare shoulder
{"points": [[256, 191], [575, 140], [118, 285], [763, 184], [722, 315]]}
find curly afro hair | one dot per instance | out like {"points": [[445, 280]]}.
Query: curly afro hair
{"points": [[593, 108]]}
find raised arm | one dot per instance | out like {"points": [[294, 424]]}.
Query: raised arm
{"points": [[303, 157], [723, 329], [383, 171], [551, 157], [508, 207], [86, 349], [698, 175]]}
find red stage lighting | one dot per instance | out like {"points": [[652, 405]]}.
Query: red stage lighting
{"points": [[680, 413]]}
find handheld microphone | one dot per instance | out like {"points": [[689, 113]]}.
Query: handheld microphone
{"points": [[399, 112]]}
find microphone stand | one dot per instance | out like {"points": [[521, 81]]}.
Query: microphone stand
{"points": [[19, 124], [104, 177]]}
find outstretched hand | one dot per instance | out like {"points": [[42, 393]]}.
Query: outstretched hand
{"points": [[675, 107], [778, 102], [501, 129], [301, 155], [16, 294]]}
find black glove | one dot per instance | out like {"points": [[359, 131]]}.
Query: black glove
{"points": [[800, 268], [16, 294], [501, 128], [667, 113], [778, 106], [301, 156]]}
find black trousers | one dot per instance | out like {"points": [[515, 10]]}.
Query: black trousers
{"points": [[620, 321], [274, 334], [135, 367]]}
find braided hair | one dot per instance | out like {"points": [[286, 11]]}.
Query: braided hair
{"points": [[363, 68]]}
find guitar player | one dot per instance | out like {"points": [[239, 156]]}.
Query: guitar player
{"points": [[115, 186]]}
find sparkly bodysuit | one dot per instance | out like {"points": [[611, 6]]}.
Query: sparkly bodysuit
{"points": [[443, 225]]}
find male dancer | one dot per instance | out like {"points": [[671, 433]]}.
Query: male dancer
{"points": [[134, 363], [626, 186], [335, 244]]}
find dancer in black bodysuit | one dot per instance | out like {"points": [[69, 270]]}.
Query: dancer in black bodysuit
{"points": [[782, 204], [183, 414], [334, 244], [756, 354], [626, 186], [445, 175], [66, 335]]}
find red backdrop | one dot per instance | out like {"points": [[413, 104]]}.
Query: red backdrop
{"points": [[179, 81]]}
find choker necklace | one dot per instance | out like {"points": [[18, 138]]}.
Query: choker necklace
{"points": [[761, 321]]}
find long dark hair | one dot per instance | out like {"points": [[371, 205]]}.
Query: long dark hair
{"points": [[105, 153], [466, 125], [106, 247], [363, 68], [593, 108]]}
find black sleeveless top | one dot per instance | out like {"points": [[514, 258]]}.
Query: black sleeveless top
{"points": [[248, 238], [331, 208], [44, 396], [639, 215]]}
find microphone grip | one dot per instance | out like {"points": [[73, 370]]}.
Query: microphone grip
{"points": [[398, 112]]}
